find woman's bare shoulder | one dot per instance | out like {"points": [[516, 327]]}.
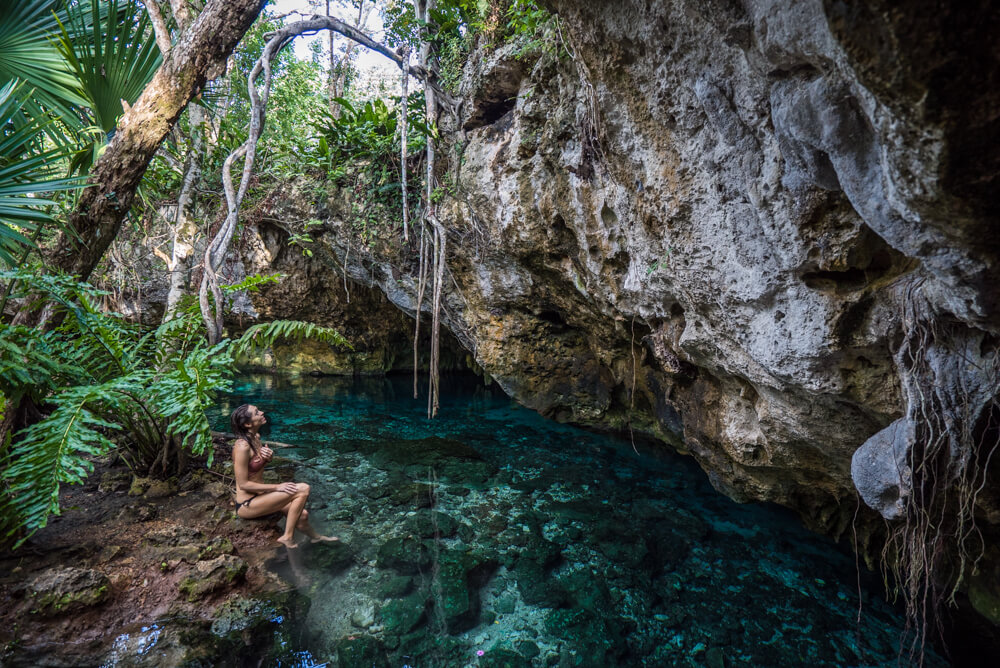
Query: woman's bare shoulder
{"points": [[240, 445]]}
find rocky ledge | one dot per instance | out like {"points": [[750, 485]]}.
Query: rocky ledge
{"points": [[146, 573]]}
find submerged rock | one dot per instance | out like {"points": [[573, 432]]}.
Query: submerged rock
{"points": [[362, 651], [460, 575], [407, 555], [504, 658], [404, 615]]}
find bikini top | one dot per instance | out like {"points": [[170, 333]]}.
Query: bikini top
{"points": [[256, 464]]}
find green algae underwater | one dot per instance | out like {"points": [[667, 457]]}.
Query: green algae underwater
{"points": [[493, 537]]}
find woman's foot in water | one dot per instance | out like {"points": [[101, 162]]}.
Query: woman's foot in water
{"points": [[315, 536], [288, 541], [323, 539]]}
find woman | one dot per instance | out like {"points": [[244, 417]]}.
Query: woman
{"points": [[254, 497]]}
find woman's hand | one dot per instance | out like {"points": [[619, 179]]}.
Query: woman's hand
{"points": [[287, 488], [266, 453]]}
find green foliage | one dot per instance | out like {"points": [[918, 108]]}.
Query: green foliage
{"points": [[27, 175], [297, 102], [526, 18], [75, 62], [112, 60], [251, 283], [109, 385], [370, 131], [265, 334], [532, 26], [28, 53], [363, 150], [53, 452], [660, 263], [302, 238]]}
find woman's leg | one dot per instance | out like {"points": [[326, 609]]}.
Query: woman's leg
{"points": [[308, 529], [272, 502], [292, 513], [265, 504]]}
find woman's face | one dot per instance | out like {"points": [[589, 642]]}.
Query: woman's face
{"points": [[257, 418]]}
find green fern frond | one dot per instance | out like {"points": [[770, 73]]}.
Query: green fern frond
{"points": [[251, 283], [54, 452], [33, 363], [185, 392], [264, 335]]}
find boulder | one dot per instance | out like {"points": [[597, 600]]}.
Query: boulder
{"points": [[60, 590], [209, 576], [880, 469]]}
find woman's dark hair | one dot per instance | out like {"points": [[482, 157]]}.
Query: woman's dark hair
{"points": [[238, 421]]}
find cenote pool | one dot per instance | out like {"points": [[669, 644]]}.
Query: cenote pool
{"points": [[493, 537]]}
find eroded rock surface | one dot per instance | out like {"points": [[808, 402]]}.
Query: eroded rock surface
{"points": [[707, 221], [698, 219]]}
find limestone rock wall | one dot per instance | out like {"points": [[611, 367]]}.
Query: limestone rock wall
{"points": [[708, 220], [722, 206]]}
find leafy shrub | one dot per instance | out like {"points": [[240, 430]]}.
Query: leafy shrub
{"points": [[111, 386], [362, 148]]}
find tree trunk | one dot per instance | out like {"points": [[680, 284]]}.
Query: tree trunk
{"points": [[340, 67], [102, 207], [185, 226], [185, 229]]}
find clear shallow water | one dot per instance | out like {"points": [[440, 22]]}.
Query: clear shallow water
{"points": [[493, 537]]}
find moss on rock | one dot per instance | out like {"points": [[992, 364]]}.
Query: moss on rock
{"points": [[61, 590], [209, 576]]}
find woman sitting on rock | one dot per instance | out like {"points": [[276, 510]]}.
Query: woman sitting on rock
{"points": [[254, 497]]}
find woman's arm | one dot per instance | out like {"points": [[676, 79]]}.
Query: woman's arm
{"points": [[241, 469]]}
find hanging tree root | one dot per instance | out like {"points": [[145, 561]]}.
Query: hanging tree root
{"points": [[215, 252], [951, 382]]}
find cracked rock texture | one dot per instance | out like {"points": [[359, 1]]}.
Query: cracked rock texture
{"points": [[703, 219]]}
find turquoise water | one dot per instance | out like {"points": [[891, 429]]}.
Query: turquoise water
{"points": [[493, 537]]}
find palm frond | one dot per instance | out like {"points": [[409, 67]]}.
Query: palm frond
{"points": [[113, 60], [27, 53], [26, 175]]}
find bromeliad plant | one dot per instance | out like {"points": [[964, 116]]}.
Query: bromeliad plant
{"points": [[110, 386]]}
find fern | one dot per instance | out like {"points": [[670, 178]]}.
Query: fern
{"points": [[264, 335], [251, 283], [21, 345], [53, 452], [188, 389], [105, 378]]}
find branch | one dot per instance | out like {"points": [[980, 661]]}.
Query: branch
{"points": [[102, 208], [159, 26], [216, 250], [163, 256]]}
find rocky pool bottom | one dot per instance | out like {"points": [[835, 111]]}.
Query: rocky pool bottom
{"points": [[493, 537]]}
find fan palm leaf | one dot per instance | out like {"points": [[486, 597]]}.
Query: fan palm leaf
{"points": [[112, 59], [28, 53], [26, 175]]}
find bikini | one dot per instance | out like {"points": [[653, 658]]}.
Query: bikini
{"points": [[255, 465]]}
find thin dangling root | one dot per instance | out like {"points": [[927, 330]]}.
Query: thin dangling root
{"points": [[951, 382]]}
